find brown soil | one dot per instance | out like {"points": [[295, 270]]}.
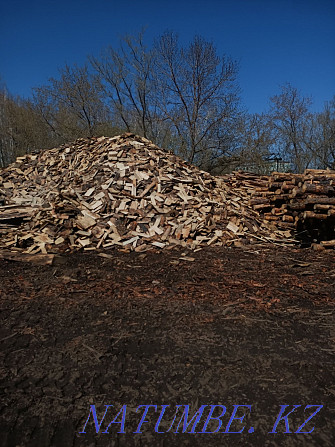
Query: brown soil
{"points": [[252, 326]]}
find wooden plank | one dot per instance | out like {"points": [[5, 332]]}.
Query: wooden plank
{"points": [[42, 259]]}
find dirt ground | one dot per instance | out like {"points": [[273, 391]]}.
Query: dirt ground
{"points": [[235, 326]]}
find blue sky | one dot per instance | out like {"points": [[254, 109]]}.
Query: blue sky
{"points": [[275, 41]]}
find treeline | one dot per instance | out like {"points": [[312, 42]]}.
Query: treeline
{"points": [[184, 98]]}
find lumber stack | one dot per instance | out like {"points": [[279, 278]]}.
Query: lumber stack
{"points": [[119, 192]]}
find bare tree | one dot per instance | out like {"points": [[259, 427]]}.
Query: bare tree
{"points": [[183, 97], [6, 142], [258, 144], [291, 120], [197, 93], [21, 129], [126, 77], [323, 142], [71, 105]]}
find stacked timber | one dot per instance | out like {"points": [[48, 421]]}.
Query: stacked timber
{"points": [[120, 192], [293, 202]]}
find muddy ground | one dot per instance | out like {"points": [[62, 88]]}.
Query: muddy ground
{"points": [[240, 326]]}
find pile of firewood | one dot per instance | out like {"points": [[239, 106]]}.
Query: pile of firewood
{"points": [[122, 191], [299, 203], [126, 192]]}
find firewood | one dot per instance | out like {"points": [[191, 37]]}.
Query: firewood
{"points": [[126, 192], [42, 259], [317, 189], [322, 207], [324, 200], [312, 215], [288, 218], [328, 244]]}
